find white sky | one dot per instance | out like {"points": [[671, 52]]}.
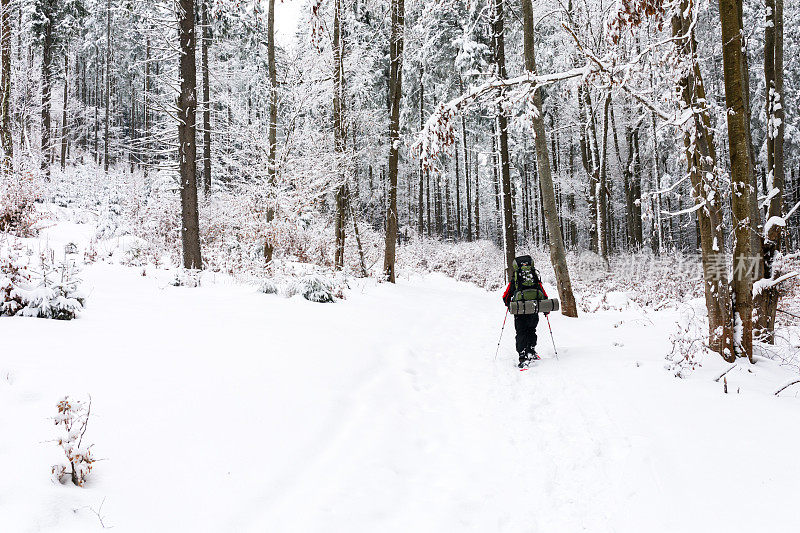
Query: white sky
{"points": [[288, 14]]}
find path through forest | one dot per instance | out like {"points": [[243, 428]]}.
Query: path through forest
{"points": [[223, 409]]}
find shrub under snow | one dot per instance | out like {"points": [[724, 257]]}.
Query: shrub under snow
{"points": [[73, 418], [48, 291], [18, 194], [313, 286]]}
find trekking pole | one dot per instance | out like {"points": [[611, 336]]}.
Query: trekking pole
{"points": [[551, 335], [501, 335]]}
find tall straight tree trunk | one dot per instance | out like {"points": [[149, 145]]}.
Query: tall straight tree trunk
{"points": [[395, 94], [421, 200], [477, 198], [187, 142], [272, 133], [468, 186], [6, 142], [701, 161], [755, 214], [741, 172], [339, 134], [146, 110], [466, 174], [64, 117], [96, 101], [558, 255], [587, 125], [108, 84], [457, 221], [765, 300], [601, 188], [47, 59], [204, 45], [498, 27]]}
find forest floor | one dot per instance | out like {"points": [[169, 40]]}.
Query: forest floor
{"points": [[223, 409]]}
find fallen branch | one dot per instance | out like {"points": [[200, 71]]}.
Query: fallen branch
{"points": [[723, 374], [795, 382]]}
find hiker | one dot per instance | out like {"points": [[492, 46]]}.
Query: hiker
{"points": [[525, 285]]}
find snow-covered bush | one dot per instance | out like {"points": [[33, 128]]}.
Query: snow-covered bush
{"points": [[73, 419], [184, 277], [49, 291], [312, 287], [13, 274], [269, 286], [18, 194], [478, 262], [689, 343]]}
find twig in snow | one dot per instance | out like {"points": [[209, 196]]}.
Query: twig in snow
{"points": [[723, 374], [795, 382]]}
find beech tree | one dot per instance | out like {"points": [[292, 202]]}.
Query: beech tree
{"points": [[557, 249]]}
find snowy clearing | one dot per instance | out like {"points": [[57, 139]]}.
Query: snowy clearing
{"points": [[223, 409]]}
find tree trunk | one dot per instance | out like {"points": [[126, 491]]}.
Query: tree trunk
{"points": [[47, 59], [108, 84], [765, 301], [458, 198], [421, 202], [466, 173], [6, 142], [558, 256], [498, 41], [600, 188], [64, 117], [269, 247], [477, 198], [395, 94], [339, 134], [187, 142], [590, 162], [702, 167], [741, 172], [146, 110], [204, 45]]}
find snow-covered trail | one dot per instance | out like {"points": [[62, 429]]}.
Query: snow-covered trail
{"points": [[222, 409]]}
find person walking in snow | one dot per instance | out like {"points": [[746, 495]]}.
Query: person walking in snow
{"points": [[525, 284]]}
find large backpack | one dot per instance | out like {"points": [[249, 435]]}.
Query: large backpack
{"points": [[526, 280]]}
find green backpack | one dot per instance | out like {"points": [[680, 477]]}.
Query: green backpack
{"points": [[526, 280]]}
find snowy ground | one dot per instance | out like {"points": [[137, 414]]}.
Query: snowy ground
{"points": [[223, 409]]}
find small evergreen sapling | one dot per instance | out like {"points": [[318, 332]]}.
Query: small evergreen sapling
{"points": [[51, 292], [73, 418]]}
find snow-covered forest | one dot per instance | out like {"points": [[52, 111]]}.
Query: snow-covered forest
{"points": [[273, 238]]}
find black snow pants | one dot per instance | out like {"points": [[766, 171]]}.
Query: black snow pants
{"points": [[526, 334]]}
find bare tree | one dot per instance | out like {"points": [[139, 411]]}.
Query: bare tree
{"points": [[498, 45], [557, 250]]}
